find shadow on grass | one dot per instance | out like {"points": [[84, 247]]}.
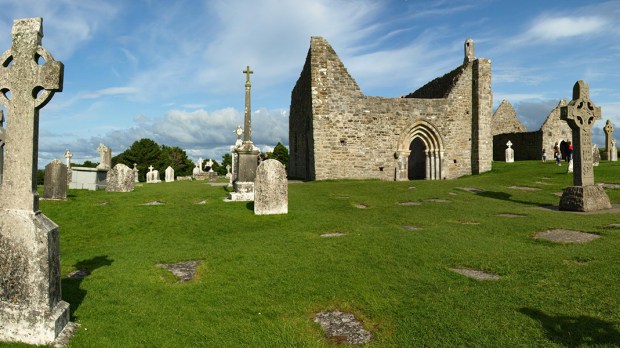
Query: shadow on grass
{"points": [[250, 206], [575, 331], [71, 287], [506, 197]]}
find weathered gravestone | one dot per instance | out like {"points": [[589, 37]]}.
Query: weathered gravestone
{"points": [[270, 189], [55, 182], [120, 179], [169, 174], [31, 305], [135, 172], [209, 165], [510, 153], [614, 151], [596, 155], [247, 153], [152, 177], [106, 157], [609, 130], [580, 114]]}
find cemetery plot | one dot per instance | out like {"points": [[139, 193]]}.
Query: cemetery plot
{"points": [[566, 236], [343, 327]]}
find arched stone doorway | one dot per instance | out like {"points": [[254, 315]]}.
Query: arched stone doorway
{"points": [[420, 153], [417, 160]]}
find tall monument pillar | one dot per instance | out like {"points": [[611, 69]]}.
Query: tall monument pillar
{"points": [[247, 153], [580, 114], [31, 308], [609, 130]]}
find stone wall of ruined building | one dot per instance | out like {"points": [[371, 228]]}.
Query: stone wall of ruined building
{"points": [[505, 120], [354, 136]]}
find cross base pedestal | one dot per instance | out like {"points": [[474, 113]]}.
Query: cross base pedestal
{"points": [[584, 198]]}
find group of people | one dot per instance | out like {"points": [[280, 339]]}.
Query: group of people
{"points": [[557, 153]]}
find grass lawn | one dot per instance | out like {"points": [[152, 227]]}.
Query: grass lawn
{"points": [[263, 278]]}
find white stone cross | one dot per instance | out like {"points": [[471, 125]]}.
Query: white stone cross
{"points": [[150, 168], [509, 143], [68, 156]]}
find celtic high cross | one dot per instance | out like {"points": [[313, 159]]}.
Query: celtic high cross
{"points": [[580, 114], [29, 76]]}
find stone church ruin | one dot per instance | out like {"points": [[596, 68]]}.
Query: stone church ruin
{"points": [[529, 145], [440, 131]]}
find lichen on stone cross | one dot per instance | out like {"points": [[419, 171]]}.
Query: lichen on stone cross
{"points": [[29, 76], [580, 114]]}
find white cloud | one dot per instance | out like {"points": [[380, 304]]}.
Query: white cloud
{"points": [[558, 29], [108, 92]]}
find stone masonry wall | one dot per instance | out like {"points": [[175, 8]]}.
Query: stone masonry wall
{"points": [[526, 146], [356, 136], [554, 130], [505, 120]]}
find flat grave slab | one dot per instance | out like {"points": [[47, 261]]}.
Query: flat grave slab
{"points": [[566, 236], [343, 327], [183, 271], [333, 234], [524, 188], [476, 274], [409, 203]]}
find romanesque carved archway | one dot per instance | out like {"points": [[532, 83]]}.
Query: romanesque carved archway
{"points": [[424, 133]]}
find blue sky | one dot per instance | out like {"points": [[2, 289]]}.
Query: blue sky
{"points": [[172, 70]]}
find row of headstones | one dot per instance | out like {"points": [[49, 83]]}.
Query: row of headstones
{"points": [[596, 154]]}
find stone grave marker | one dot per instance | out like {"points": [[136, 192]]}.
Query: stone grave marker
{"points": [[68, 156], [152, 177], [169, 174], [510, 153], [596, 155], [580, 114], [614, 151], [31, 307], [136, 172], [246, 154], [55, 182], [209, 165], [270, 189], [120, 179], [105, 153], [609, 130]]}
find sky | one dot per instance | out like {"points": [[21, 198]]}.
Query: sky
{"points": [[172, 71]]}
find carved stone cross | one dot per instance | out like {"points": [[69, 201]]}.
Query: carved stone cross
{"points": [[150, 168], [580, 114], [247, 122], [29, 76], [68, 156], [609, 129]]}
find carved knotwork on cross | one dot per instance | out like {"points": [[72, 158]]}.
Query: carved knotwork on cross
{"points": [[580, 114]]}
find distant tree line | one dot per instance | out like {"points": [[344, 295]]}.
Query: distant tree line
{"points": [[146, 152]]}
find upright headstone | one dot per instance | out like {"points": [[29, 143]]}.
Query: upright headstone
{"points": [[121, 178], [209, 165], [580, 114], [106, 157], [31, 306], [152, 177], [510, 152], [228, 173], [270, 189], [614, 151], [596, 155], [246, 154], [609, 130], [68, 156], [55, 181], [169, 174], [136, 172]]}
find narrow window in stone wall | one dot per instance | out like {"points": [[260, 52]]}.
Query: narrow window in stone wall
{"points": [[343, 141]]}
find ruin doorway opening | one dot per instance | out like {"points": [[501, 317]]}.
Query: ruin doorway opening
{"points": [[417, 160]]}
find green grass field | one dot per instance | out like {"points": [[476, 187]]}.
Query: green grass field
{"points": [[263, 278]]}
